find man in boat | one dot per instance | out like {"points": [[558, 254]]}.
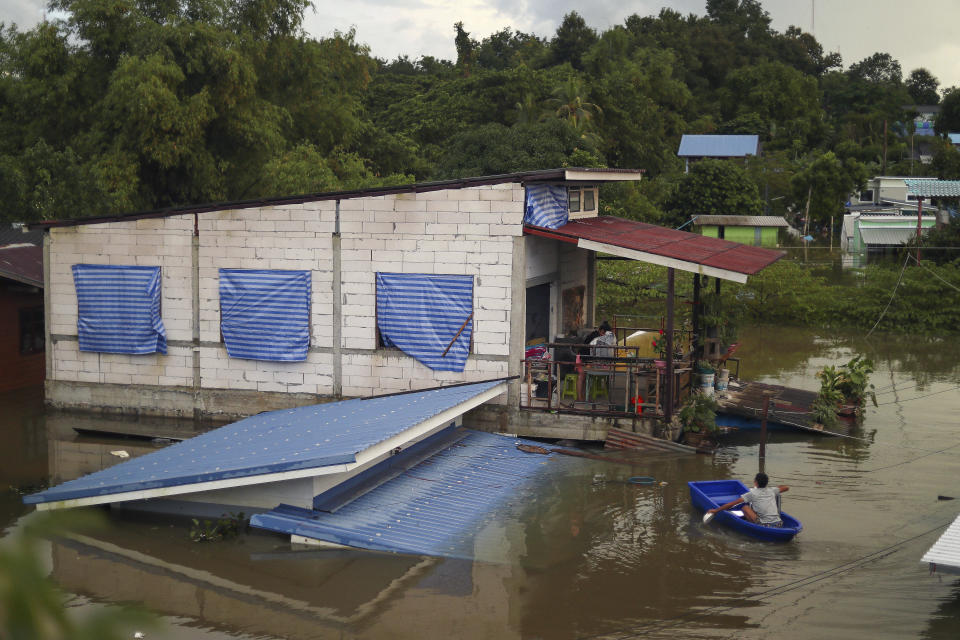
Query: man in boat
{"points": [[761, 504]]}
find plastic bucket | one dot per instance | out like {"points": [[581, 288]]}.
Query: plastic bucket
{"points": [[723, 381], [706, 383]]}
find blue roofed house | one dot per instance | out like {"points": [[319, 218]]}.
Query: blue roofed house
{"points": [[694, 147]]}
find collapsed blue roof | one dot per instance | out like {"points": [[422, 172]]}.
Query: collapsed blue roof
{"points": [[309, 437], [718, 146], [435, 508]]}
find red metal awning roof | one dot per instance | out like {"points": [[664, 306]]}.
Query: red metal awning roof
{"points": [[23, 263], [668, 247]]}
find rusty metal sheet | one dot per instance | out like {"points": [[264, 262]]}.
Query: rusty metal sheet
{"points": [[671, 243], [22, 263]]}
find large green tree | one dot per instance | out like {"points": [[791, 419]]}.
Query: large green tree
{"points": [[714, 187]]}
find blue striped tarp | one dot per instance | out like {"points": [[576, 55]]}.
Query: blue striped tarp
{"points": [[420, 314], [118, 309], [265, 315], [547, 206]]}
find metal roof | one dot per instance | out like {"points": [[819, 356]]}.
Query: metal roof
{"points": [[306, 441], [886, 236], [667, 247], [741, 221], [23, 263], [435, 508], [718, 146], [571, 174], [954, 138], [945, 552], [928, 188], [17, 234]]}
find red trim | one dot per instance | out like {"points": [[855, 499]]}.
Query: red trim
{"points": [[548, 233]]}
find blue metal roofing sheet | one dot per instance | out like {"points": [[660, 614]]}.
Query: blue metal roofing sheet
{"points": [[718, 146], [945, 552], [437, 507], [315, 436]]}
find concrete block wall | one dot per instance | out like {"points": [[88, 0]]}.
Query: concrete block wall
{"points": [[164, 242], [458, 231]]}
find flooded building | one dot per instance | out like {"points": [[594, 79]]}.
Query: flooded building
{"points": [[21, 309], [231, 309]]}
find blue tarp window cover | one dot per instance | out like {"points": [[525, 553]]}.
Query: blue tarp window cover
{"points": [[118, 309], [546, 206], [264, 314], [421, 313]]}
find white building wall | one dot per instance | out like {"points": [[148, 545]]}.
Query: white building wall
{"points": [[457, 231]]}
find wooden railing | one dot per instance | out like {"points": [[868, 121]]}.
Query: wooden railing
{"points": [[621, 385]]}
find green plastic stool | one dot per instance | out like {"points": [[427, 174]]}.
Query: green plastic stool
{"points": [[569, 386], [597, 386]]}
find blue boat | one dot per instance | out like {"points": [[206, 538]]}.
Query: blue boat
{"points": [[710, 494]]}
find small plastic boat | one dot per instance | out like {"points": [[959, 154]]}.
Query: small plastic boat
{"points": [[710, 494]]}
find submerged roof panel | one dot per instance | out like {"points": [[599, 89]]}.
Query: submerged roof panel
{"points": [[436, 507], [305, 440], [945, 552], [718, 146]]}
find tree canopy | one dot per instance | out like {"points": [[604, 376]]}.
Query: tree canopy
{"points": [[121, 105]]}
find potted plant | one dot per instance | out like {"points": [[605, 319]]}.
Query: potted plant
{"points": [[698, 417], [843, 390]]}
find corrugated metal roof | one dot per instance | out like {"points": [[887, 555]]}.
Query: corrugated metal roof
{"points": [[435, 508], [659, 245], [933, 188], [11, 234], [742, 221], [945, 552], [576, 174], [274, 442], [881, 236], [954, 138], [718, 146], [22, 263]]}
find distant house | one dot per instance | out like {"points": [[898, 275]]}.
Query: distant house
{"points": [[870, 233], [695, 147], [761, 231], [21, 309]]}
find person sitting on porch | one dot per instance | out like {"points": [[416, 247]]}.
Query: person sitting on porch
{"points": [[604, 343], [760, 504]]}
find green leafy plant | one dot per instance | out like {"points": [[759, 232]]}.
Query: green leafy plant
{"points": [[824, 412], [228, 526], [849, 383], [699, 414]]}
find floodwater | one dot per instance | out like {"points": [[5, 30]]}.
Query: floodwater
{"points": [[583, 554]]}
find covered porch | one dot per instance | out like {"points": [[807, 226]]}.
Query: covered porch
{"points": [[630, 381]]}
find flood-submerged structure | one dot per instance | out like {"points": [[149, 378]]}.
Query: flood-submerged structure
{"points": [[230, 309]]}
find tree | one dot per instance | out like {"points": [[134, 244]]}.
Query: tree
{"points": [[922, 86], [572, 40], [878, 68], [827, 181], [714, 187], [466, 49], [948, 120]]}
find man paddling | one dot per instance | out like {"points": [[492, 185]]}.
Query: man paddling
{"points": [[760, 503]]}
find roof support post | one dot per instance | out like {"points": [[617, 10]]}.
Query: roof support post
{"points": [[919, 226], [697, 311], [668, 383]]}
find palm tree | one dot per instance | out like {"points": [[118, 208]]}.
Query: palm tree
{"points": [[568, 104]]}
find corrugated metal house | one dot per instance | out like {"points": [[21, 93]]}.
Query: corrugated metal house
{"points": [[694, 147], [761, 231]]}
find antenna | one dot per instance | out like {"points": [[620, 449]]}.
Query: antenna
{"points": [[813, 16]]}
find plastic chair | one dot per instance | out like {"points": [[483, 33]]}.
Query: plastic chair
{"points": [[569, 386]]}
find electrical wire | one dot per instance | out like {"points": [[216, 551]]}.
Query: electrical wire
{"points": [[846, 567], [892, 294]]}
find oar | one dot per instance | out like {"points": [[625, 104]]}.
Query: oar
{"points": [[707, 517]]}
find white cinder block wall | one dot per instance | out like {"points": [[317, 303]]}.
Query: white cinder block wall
{"points": [[453, 231]]}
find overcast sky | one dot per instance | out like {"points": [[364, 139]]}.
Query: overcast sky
{"points": [[920, 34]]}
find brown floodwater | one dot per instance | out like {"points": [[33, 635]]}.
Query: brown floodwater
{"points": [[582, 553]]}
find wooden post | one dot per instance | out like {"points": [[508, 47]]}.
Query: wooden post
{"points": [[668, 382], [763, 430], [697, 344], [919, 219]]}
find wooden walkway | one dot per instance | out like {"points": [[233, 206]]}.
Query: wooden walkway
{"points": [[788, 406], [620, 439]]}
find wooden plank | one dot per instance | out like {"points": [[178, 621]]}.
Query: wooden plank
{"points": [[620, 439]]}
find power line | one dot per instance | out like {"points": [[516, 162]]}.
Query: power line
{"points": [[892, 294], [846, 567]]}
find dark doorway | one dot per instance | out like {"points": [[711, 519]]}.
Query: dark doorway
{"points": [[538, 312]]}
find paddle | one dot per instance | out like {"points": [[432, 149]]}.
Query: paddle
{"points": [[707, 517]]}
